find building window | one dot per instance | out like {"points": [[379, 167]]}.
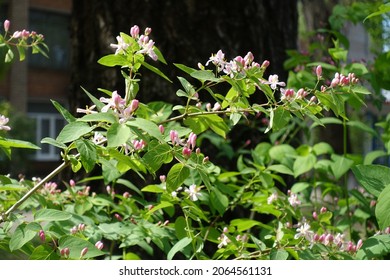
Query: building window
{"points": [[55, 28], [48, 123]]}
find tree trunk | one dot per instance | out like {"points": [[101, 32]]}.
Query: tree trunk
{"points": [[186, 32]]}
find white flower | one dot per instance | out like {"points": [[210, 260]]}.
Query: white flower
{"points": [[224, 240], [304, 231], [293, 200], [121, 47], [273, 197], [273, 81], [193, 192], [3, 121]]}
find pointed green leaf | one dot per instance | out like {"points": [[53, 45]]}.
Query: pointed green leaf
{"points": [[65, 113], [374, 178], [180, 245], [76, 245], [46, 215], [88, 154], [117, 134], [382, 209], [73, 131], [303, 164], [157, 155], [340, 165], [374, 248], [176, 176]]}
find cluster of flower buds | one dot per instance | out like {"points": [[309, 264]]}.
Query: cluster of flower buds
{"points": [[50, 188], [146, 45], [188, 145], [238, 65], [342, 80], [78, 228], [65, 252], [22, 36], [329, 239]]}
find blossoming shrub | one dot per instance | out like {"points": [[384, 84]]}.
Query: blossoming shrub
{"points": [[196, 209]]}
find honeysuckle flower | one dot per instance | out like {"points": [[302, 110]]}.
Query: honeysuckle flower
{"points": [[87, 110], [116, 102], [273, 81], [287, 94], [224, 240], [193, 192], [41, 235], [174, 135], [121, 46], [3, 121], [273, 197], [147, 47], [218, 60], [65, 252], [304, 231], [191, 142], [293, 200], [98, 138], [186, 152]]}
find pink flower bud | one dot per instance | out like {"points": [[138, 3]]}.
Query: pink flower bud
{"points": [[81, 227], [73, 230], [25, 34], [17, 34], [72, 183], [84, 251], [148, 30], [7, 23], [163, 178], [216, 107], [186, 152], [387, 230], [208, 107], [174, 137], [319, 71], [134, 31], [99, 245], [249, 58], [126, 195], [65, 252], [323, 210], [108, 189], [205, 160], [265, 64], [197, 151], [161, 128], [166, 223], [134, 105], [359, 244], [41, 235], [118, 217], [316, 237], [191, 143], [315, 215]]}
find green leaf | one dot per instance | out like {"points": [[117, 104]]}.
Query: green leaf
{"points": [[180, 245], [110, 170], [303, 164], [340, 165], [148, 126], [46, 215], [157, 155], [176, 176], [53, 142], [161, 205], [374, 247], [185, 68], [322, 148], [44, 252], [362, 126], [9, 56], [76, 245], [244, 224], [23, 234], [219, 201], [112, 60], [22, 53], [73, 131], [155, 70], [281, 118], [14, 143], [372, 156], [88, 154], [278, 254], [117, 134], [153, 189], [280, 168], [95, 101], [328, 120], [382, 209], [280, 152], [373, 178], [204, 75], [99, 117], [299, 187], [65, 113]]}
